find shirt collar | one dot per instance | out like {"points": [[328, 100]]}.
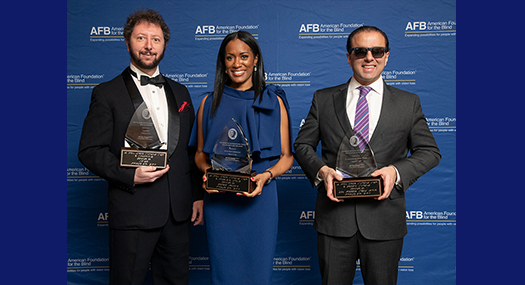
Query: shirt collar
{"points": [[139, 72], [377, 85]]}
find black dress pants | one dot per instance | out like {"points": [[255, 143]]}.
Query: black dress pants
{"points": [[167, 248], [378, 259]]}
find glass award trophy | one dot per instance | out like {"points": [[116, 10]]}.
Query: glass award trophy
{"points": [[231, 161], [144, 142], [356, 166]]}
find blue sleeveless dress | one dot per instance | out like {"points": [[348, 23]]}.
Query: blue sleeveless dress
{"points": [[242, 231]]}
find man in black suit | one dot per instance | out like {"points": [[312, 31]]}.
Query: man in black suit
{"points": [[150, 209], [367, 229]]}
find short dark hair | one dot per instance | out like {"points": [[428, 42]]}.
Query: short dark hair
{"points": [[365, 29], [221, 78], [150, 16]]}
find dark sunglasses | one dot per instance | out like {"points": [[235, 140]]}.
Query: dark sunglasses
{"points": [[361, 52]]}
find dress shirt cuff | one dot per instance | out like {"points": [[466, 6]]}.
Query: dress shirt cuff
{"points": [[398, 179], [318, 179]]}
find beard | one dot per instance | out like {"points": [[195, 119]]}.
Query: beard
{"points": [[142, 65]]}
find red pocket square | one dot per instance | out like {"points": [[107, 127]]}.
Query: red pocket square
{"points": [[184, 107]]}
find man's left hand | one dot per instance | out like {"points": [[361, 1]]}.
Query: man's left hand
{"points": [[197, 216], [389, 176]]}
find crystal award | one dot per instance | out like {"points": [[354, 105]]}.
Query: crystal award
{"points": [[356, 166], [231, 161], [144, 142]]}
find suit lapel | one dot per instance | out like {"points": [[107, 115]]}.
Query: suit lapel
{"points": [[174, 119], [340, 110], [387, 115], [133, 91]]}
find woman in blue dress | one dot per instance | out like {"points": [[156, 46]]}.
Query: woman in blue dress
{"points": [[241, 228]]}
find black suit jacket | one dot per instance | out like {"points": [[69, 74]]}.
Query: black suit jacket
{"points": [[401, 129], [142, 206]]}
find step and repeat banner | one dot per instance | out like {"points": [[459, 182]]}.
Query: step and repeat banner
{"points": [[303, 46]]}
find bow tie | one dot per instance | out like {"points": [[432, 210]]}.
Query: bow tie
{"points": [[145, 80], [157, 80]]}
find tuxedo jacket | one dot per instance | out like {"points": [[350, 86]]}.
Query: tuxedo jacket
{"points": [[401, 129], [142, 206]]}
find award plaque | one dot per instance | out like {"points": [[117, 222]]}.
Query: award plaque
{"points": [[355, 166], [231, 161], [144, 142]]}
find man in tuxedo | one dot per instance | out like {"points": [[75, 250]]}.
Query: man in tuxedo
{"points": [[150, 209], [368, 229]]}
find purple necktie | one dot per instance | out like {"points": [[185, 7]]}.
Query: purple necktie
{"points": [[361, 117]]}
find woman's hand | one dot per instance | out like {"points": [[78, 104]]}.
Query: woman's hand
{"points": [[204, 184], [260, 180]]}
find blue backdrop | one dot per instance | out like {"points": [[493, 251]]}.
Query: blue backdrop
{"points": [[303, 46]]}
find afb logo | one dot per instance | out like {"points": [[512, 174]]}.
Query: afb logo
{"points": [[205, 30], [416, 26], [102, 217], [306, 28], [100, 31], [418, 215], [307, 215]]}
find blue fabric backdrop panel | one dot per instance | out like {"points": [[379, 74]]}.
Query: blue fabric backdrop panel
{"points": [[303, 45]]}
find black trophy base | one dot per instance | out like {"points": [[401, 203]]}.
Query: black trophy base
{"points": [[230, 181], [358, 187], [132, 157]]}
